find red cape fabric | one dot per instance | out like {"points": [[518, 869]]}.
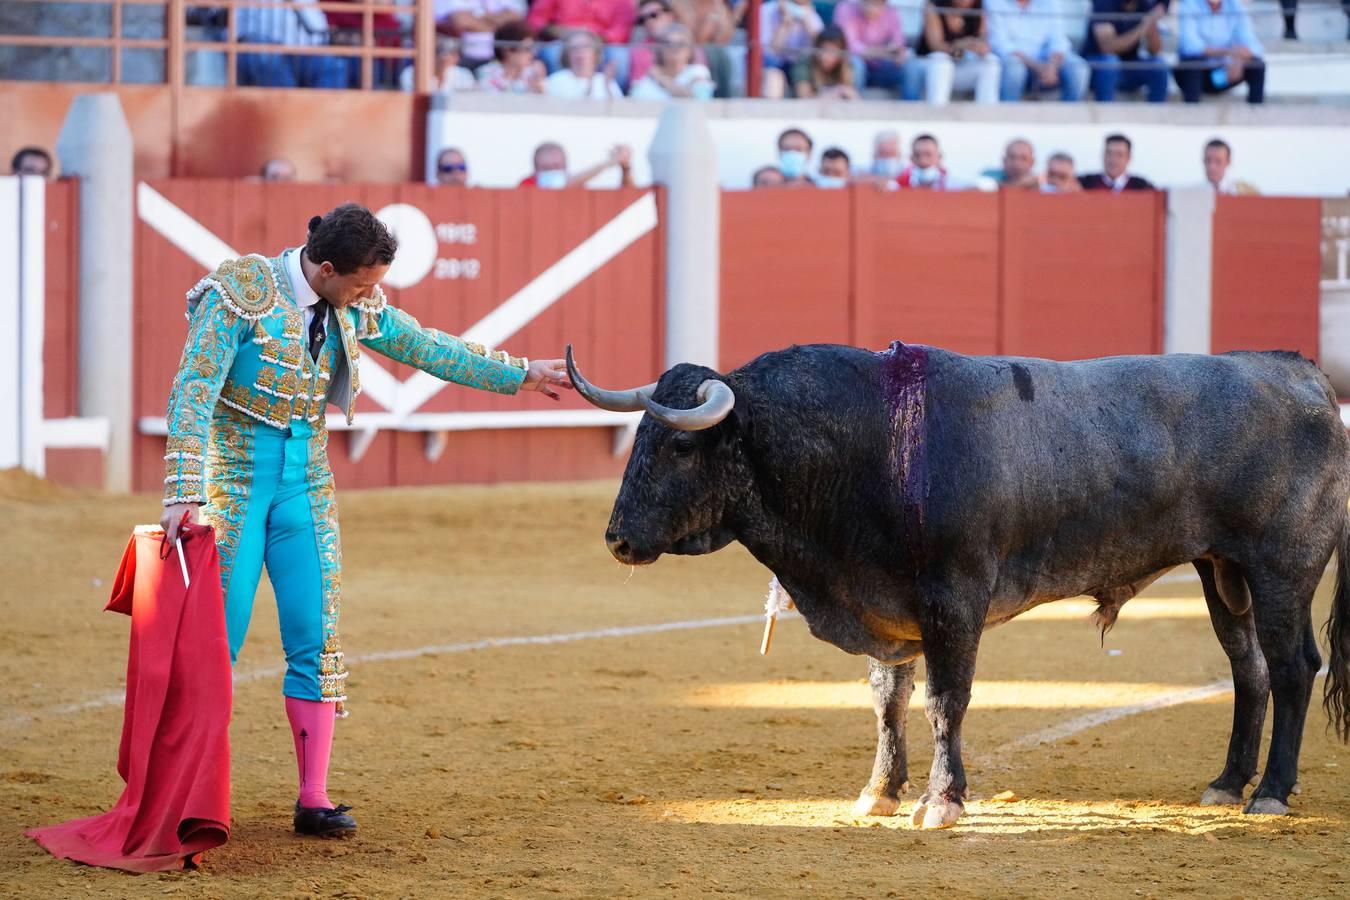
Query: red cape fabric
{"points": [[175, 750]]}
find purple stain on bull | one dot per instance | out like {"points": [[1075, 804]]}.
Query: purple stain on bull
{"points": [[904, 374]]}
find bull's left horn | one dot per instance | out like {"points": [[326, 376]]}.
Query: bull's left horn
{"points": [[614, 401], [715, 402]]}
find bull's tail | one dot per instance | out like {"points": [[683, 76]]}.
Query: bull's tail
{"points": [[1336, 691]]}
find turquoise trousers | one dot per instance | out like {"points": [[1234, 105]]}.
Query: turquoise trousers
{"points": [[266, 495]]}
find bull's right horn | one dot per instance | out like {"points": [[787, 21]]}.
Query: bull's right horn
{"points": [[614, 401], [715, 402]]}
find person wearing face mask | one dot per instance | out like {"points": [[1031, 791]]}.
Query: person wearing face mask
{"points": [[834, 169], [925, 170], [550, 168], [794, 157], [1060, 177], [886, 157], [271, 342]]}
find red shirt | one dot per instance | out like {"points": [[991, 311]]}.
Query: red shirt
{"points": [[528, 182], [611, 19]]}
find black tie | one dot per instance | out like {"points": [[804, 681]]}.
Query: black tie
{"points": [[317, 332]]}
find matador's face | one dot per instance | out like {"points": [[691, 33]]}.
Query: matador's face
{"points": [[343, 290]]}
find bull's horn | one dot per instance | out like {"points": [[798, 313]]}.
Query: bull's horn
{"points": [[715, 401], [614, 401]]}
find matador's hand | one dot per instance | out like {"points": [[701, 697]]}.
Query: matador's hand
{"points": [[173, 517], [545, 372]]}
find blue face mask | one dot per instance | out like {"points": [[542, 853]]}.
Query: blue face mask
{"points": [[926, 174], [792, 163], [551, 179], [889, 167], [830, 181]]}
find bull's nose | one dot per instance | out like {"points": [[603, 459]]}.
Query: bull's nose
{"points": [[618, 547]]}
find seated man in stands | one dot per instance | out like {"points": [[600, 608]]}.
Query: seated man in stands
{"points": [[31, 161], [925, 171], [278, 170], [1218, 50], [1028, 36], [794, 157], [1019, 166], [1059, 175], [887, 157], [1114, 177], [296, 25], [550, 168], [767, 177], [475, 21], [1218, 156], [834, 169], [1119, 30], [452, 168], [875, 36]]}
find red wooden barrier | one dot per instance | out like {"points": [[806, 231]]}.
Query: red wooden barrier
{"points": [[1082, 274], [489, 245], [1264, 290]]}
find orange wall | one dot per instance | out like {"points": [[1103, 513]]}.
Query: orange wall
{"points": [[213, 132], [1012, 272], [1265, 281]]}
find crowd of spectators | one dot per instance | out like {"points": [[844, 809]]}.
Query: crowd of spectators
{"points": [[659, 49], [925, 170]]}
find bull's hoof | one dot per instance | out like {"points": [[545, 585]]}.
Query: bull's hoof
{"points": [[1219, 797], [937, 814], [1266, 806], [870, 804]]}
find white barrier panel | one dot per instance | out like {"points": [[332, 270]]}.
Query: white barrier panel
{"points": [[11, 362], [22, 308]]}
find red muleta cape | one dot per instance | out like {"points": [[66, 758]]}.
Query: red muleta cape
{"points": [[175, 750]]}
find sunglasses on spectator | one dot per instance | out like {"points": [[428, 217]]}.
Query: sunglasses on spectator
{"points": [[454, 167], [654, 14]]}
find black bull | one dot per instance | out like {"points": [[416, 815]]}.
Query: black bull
{"points": [[910, 499]]}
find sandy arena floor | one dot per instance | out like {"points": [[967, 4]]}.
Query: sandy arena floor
{"points": [[653, 763]]}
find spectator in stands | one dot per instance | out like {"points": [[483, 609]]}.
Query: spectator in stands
{"points": [[1028, 36], [788, 28], [794, 157], [654, 17], [1218, 156], [887, 160], [550, 167], [1059, 175], [954, 54], [675, 73], [713, 26], [876, 40], [767, 177], [31, 161], [925, 170], [299, 24], [450, 77], [1019, 166], [1115, 162], [476, 21], [581, 76], [278, 170], [348, 29], [834, 169], [827, 73], [452, 167], [516, 71], [610, 20], [1218, 50], [1117, 33]]}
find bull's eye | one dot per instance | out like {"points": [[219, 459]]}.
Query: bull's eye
{"points": [[684, 444]]}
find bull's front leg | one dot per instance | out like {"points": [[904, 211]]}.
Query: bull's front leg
{"points": [[891, 690], [951, 639]]}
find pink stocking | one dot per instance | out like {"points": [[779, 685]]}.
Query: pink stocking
{"points": [[312, 726]]}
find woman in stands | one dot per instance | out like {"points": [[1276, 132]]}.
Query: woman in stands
{"points": [[827, 72]]}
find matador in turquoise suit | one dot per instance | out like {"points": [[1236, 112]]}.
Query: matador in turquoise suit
{"points": [[272, 342]]}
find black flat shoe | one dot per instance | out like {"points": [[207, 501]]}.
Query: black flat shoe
{"points": [[321, 822]]}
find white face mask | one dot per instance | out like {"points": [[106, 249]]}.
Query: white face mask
{"points": [[792, 163], [830, 181], [926, 174], [887, 166], [551, 179]]}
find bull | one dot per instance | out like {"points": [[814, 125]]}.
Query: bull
{"points": [[909, 499]]}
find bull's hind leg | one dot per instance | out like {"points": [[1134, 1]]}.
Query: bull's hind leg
{"points": [[1283, 612], [1236, 630], [891, 690]]}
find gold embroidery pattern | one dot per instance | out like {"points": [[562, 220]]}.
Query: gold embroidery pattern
{"points": [[447, 357], [323, 509], [247, 286], [230, 455]]}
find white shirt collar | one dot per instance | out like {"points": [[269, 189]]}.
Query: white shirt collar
{"points": [[1117, 184], [304, 294]]}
